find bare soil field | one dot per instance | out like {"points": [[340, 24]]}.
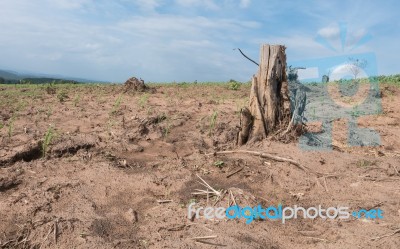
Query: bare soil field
{"points": [[94, 166]]}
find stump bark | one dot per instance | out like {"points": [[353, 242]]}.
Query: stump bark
{"points": [[269, 103], [135, 84]]}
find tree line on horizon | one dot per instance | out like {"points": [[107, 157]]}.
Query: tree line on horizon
{"points": [[37, 81]]}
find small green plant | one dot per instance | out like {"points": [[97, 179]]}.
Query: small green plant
{"points": [[83, 235], [1, 126], [49, 113], [166, 129], [77, 99], [161, 117], [11, 126], [168, 98], [116, 105], [51, 88], [239, 106], [213, 121], [21, 105], [219, 164], [233, 85], [356, 112], [143, 100], [62, 96], [182, 84], [191, 201], [111, 124], [48, 137], [150, 110]]}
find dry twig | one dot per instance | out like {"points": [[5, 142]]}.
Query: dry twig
{"points": [[204, 237], [316, 238], [55, 230], [268, 156], [325, 184], [164, 201], [395, 169], [47, 236], [386, 235], [205, 184], [233, 198], [235, 172]]}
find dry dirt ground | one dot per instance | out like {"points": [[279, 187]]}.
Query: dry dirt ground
{"points": [[120, 169]]}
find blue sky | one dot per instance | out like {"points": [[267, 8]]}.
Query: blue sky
{"points": [[186, 40]]}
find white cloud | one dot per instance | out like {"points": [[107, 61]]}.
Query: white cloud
{"points": [[209, 4], [147, 5], [308, 73], [330, 32], [177, 46], [244, 3], [68, 4], [194, 27], [298, 46], [352, 36]]}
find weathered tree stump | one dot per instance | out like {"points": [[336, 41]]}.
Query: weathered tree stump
{"points": [[269, 105], [135, 85]]}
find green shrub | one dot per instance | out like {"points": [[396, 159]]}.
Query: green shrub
{"points": [[213, 121], [77, 99], [219, 164], [48, 137], [11, 126], [62, 96], [233, 85]]}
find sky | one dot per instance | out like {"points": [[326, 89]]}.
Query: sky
{"points": [[188, 40]]}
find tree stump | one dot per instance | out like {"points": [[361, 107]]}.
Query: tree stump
{"points": [[269, 103], [135, 85]]}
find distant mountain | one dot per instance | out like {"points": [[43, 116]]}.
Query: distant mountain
{"points": [[12, 76]]}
